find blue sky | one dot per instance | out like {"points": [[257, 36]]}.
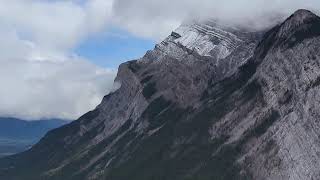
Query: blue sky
{"points": [[38, 55], [113, 47], [39, 40]]}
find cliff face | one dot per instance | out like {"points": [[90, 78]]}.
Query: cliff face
{"points": [[209, 102]]}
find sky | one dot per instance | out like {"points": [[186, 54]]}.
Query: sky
{"points": [[114, 47], [60, 57]]}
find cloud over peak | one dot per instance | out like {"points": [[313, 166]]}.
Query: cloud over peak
{"points": [[42, 77], [144, 17]]}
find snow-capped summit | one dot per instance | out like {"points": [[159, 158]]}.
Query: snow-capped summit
{"points": [[209, 102], [211, 40], [207, 39]]}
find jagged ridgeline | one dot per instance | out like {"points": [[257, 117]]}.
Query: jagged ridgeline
{"points": [[211, 102]]}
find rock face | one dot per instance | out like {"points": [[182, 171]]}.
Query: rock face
{"points": [[209, 102]]}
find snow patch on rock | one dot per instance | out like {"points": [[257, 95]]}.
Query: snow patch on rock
{"points": [[207, 39]]}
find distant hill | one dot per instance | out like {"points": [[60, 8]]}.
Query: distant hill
{"points": [[210, 102], [17, 135]]}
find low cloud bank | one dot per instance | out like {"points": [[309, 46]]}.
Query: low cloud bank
{"points": [[156, 18]]}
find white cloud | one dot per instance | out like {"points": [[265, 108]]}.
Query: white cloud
{"points": [[40, 76], [46, 89], [42, 84], [55, 24], [156, 18]]}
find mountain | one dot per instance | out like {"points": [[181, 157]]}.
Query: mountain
{"points": [[209, 102], [18, 135]]}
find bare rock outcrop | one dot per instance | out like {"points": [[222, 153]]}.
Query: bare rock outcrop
{"points": [[209, 102]]}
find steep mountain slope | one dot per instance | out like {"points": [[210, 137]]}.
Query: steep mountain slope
{"points": [[18, 135], [209, 102]]}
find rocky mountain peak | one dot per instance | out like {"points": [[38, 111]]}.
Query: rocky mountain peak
{"points": [[301, 25], [297, 24], [302, 15], [208, 38], [209, 102]]}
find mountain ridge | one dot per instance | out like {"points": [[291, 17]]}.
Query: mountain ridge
{"points": [[184, 111], [18, 135]]}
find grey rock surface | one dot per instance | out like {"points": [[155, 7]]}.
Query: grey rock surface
{"points": [[209, 102]]}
